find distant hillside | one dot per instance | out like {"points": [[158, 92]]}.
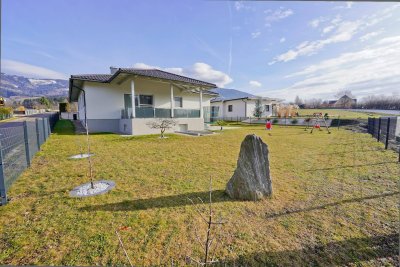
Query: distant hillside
{"points": [[13, 85]]}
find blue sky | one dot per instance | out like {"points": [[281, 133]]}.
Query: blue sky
{"points": [[276, 49]]}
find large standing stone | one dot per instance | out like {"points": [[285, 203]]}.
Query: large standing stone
{"points": [[251, 180]]}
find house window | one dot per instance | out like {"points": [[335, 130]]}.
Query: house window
{"points": [[267, 108], [230, 108], [145, 100], [178, 101], [140, 100]]}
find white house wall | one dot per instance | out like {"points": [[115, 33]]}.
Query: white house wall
{"points": [[238, 108], [241, 108], [106, 101]]}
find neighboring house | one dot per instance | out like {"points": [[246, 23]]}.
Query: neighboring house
{"points": [[154, 94], [233, 104], [343, 102]]}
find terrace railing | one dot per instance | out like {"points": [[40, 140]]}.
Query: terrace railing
{"points": [[150, 112]]}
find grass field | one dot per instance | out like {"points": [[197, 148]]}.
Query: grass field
{"points": [[344, 114], [334, 202]]}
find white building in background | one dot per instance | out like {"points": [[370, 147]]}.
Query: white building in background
{"points": [[233, 104], [154, 94]]}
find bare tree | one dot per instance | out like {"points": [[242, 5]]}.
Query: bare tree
{"points": [[380, 102], [313, 103], [162, 124], [298, 101], [210, 238], [258, 109]]}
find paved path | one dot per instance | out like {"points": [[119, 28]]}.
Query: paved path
{"points": [[79, 129]]}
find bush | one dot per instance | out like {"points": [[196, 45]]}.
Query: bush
{"points": [[5, 113], [220, 123], [294, 121], [274, 121]]}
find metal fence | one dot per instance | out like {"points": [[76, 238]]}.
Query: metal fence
{"points": [[386, 130], [18, 145]]}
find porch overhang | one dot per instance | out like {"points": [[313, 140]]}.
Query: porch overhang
{"points": [[123, 74]]}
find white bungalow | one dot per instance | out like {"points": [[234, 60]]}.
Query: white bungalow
{"points": [[232, 104], [156, 94]]}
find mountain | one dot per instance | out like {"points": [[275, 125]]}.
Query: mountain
{"points": [[14, 85]]}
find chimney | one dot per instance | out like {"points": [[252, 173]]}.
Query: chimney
{"points": [[113, 70]]}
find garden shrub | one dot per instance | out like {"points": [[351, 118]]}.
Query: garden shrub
{"points": [[5, 113]]}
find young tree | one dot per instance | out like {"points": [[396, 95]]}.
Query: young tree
{"points": [[211, 239], [162, 124], [44, 101], [258, 110]]}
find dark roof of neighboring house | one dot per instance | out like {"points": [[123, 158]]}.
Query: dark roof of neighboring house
{"points": [[154, 73], [229, 94]]}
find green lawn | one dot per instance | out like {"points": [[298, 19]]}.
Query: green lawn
{"points": [[334, 203], [344, 114]]}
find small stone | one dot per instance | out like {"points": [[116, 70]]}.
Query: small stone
{"points": [[251, 179]]}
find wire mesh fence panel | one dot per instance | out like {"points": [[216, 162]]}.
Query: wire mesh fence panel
{"points": [[384, 123], [41, 131], [385, 130], [46, 128], [13, 153], [32, 138]]}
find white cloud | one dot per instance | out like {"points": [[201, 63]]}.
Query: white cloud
{"points": [[370, 35], [240, 5], [316, 22], [255, 84], [255, 34], [199, 70], [344, 32], [276, 15], [341, 31], [372, 70], [347, 5], [282, 40], [328, 29], [31, 71]]}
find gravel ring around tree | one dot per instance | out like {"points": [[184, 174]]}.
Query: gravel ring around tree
{"points": [[81, 156], [85, 190]]}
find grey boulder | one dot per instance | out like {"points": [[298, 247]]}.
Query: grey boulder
{"points": [[252, 179]]}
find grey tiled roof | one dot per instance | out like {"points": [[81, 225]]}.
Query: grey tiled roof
{"points": [[229, 94], [154, 73], [92, 77]]}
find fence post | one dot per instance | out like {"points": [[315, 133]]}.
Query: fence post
{"points": [[44, 130], [387, 134], [379, 130], [37, 133], [26, 139], [3, 194], [49, 126], [338, 124]]}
